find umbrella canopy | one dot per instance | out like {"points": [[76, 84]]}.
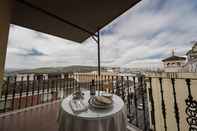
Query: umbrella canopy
{"points": [[75, 20]]}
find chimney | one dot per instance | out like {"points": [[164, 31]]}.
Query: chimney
{"points": [[173, 52]]}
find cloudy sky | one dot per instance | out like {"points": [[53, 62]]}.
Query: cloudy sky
{"points": [[141, 37]]}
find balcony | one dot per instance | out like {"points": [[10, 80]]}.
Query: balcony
{"points": [[33, 104], [26, 96]]}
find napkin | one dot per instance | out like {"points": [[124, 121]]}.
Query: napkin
{"points": [[78, 106]]}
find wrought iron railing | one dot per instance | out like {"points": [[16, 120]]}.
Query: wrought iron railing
{"points": [[17, 94], [26, 91], [190, 102], [136, 90]]}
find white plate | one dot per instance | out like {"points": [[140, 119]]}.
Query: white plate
{"points": [[104, 106], [108, 95]]}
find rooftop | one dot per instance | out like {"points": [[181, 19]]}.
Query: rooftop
{"points": [[193, 50], [174, 57]]}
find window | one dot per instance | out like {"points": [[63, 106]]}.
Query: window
{"points": [[178, 63]]}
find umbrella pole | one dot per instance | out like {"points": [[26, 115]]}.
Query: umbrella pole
{"points": [[96, 38], [99, 61]]}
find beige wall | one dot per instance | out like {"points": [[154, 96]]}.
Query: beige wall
{"points": [[5, 9], [181, 95], [88, 77], [173, 66]]}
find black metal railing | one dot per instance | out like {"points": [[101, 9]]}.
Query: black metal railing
{"points": [[191, 104], [25, 91], [132, 90], [22, 92], [135, 89], [191, 109]]}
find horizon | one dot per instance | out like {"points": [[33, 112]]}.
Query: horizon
{"points": [[9, 70]]}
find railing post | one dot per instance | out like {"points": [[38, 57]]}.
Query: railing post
{"points": [[76, 82], [129, 100], [104, 83], [163, 104], [142, 85], [108, 84], [112, 84], [21, 91], [56, 88], [38, 90], [73, 83], [121, 87], [176, 109], [70, 85], [64, 85], [96, 82], [14, 92], [135, 101], [6, 93], [33, 87], [191, 109], [61, 88], [27, 91], [43, 89], [152, 104], [117, 85], [48, 86]]}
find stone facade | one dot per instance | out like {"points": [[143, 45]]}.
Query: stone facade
{"points": [[191, 65], [174, 63]]}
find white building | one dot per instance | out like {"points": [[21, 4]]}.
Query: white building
{"points": [[174, 63], [191, 65]]}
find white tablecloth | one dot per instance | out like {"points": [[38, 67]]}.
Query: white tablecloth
{"points": [[113, 119]]}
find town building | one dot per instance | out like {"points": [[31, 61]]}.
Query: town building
{"points": [[174, 63], [191, 65]]}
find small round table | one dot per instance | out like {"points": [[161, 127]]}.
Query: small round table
{"points": [[112, 119]]}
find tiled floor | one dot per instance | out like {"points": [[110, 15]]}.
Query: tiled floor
{"points": [[40, 118]]}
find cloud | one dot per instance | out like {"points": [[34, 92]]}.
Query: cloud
{"points": [[34, 52], [141, 37]]}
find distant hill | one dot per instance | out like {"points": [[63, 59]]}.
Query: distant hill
{"points": [[75, 68]]}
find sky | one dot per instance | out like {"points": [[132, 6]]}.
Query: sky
{"points": [[140, 38]]}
